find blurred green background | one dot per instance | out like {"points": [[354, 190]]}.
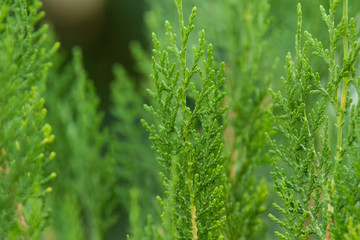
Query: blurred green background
{"points": [[103, 29]]}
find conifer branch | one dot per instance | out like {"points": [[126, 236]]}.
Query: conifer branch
{"points": [[320, 182], [188, 138]]}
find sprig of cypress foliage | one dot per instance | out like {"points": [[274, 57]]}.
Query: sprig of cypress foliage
{"points": [[311, 184], [25, 137], [187, 134], [240, 30]]}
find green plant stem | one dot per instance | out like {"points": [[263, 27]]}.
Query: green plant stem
{"points": [[340, 115], [185, 81], [341, 111]]}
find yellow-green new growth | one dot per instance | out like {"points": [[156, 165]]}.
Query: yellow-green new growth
{"points": [[24, 145]]}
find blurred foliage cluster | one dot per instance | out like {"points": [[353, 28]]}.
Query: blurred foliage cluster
{"points": [[76, 162]]}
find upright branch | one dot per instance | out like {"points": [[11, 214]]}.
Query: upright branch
{"points": [[311, 189], [188, 110], [25, 137]]}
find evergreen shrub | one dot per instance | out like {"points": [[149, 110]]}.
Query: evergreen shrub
{"points": [[207, 141]]}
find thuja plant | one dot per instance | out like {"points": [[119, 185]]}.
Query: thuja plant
{"points": [[25, 137], [248, 73], [317, 117], [84, 200], [242, 46], [186, 134]]}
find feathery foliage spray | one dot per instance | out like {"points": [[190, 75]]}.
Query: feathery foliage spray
{"points": [[317, 176], [188, 110], [25, 137]]}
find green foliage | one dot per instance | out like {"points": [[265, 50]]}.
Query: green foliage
{"points": [[88, 178], [248, 75], [25, 138], [213, 164], [187, 135], [315, 109]]}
